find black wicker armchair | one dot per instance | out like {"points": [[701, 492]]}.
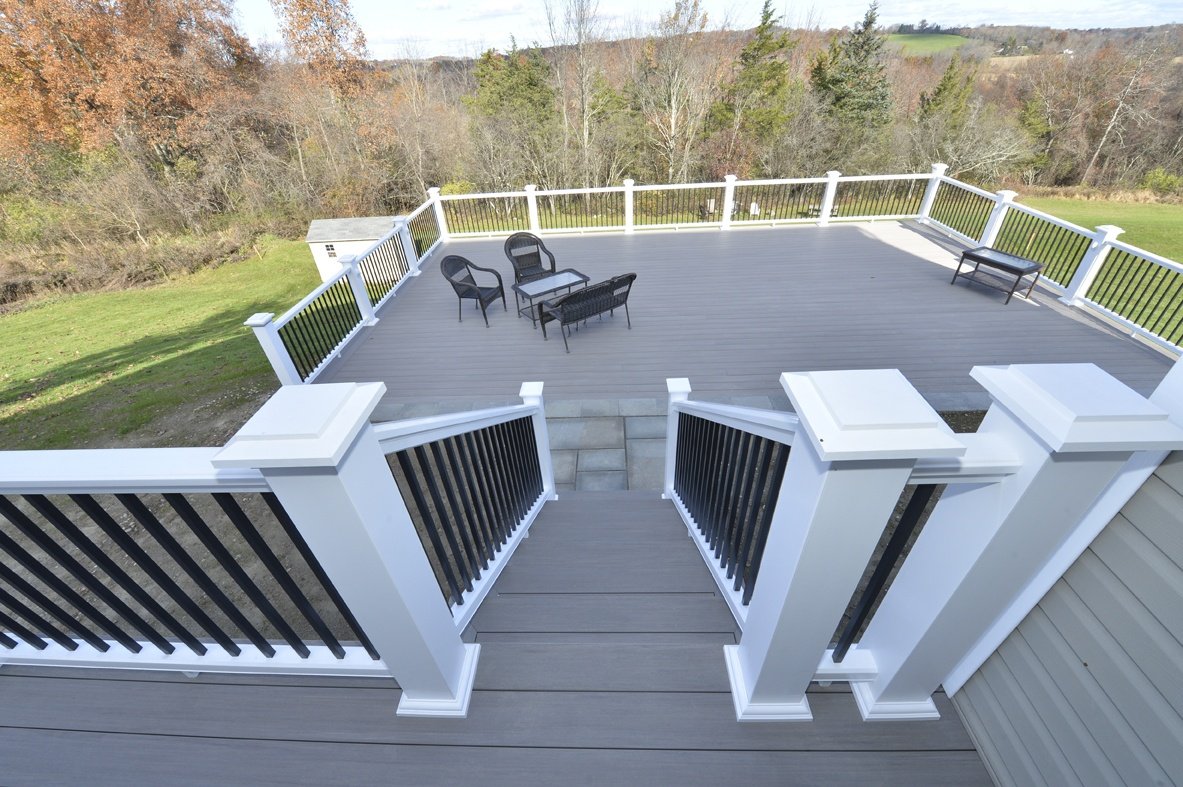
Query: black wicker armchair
{"points": [[526, 252], [458, 271], [593, 300]]}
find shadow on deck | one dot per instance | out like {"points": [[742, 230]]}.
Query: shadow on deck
{"points": [[731, 311], [601, 663]]}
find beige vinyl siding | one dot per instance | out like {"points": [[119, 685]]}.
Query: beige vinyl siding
{"points": [[1089, 688]]}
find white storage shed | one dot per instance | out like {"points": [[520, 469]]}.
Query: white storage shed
{"points": [[332, 239]]}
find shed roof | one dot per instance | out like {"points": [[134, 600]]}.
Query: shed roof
{"points": [[358, 228]]}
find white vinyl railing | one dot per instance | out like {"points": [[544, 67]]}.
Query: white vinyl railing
{"points": [[789, 513], [1137, 290], [240, 558]]}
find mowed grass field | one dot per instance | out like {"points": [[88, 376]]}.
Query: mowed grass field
{"points": [[923, 44], [172, 359], [1153, 227]]}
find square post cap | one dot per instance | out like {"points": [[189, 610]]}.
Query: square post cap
{"points": [[303, 426], [868, 414], [1076, 407]]}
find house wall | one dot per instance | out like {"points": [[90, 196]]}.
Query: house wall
{"points": [[328, 266], [1089, 688]]}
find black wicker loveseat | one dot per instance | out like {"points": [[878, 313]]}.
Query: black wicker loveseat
{"points": [[591, 301]]}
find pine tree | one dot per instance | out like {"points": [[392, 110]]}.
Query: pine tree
{"points": [[950, 98], [850, 78]]}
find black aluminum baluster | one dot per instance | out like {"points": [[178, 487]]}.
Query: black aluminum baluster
{"points": [[19, 607], [68, 621]]}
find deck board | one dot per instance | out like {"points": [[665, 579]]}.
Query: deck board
{"points": [[618, 683], [731, 311]]}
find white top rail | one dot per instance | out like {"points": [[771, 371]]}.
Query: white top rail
{"points": [[399, 435], [867, 178], [418, 210], [307, 300], [484, 195], [771, 424], [972, 189], [780, 182], [119, 470], [1051, 219], [987, 459], [679, 186], [568, 192], [1169, 264]]}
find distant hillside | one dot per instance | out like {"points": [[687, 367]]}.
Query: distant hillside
{"points": [[921, 44]]}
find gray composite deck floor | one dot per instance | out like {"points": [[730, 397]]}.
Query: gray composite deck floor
{"points": [[730, 311], [600, 664]]}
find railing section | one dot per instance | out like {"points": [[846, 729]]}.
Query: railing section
{"points": [[383, 267], [962, 209], [778, 201], [424, 229], [314, 330], [581, 209], [678, 206], [1059, 245], [727, 480], [483, 214], [1142, 290], [879, 196], [473, 483], [212, 574]]}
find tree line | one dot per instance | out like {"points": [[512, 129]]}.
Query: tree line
{"points": [[138, 138]]}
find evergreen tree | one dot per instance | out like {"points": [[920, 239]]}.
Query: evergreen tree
{"points": [[949, 100], [850, 77]]}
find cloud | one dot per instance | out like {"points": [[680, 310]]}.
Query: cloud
{"points": [[495, 9]]}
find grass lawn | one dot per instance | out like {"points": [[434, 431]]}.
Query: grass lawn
{"points": [[171, 362], [1156, 228], [921, 44]]}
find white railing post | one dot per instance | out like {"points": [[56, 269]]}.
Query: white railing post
{"points": [[531, 394], [316, 448], [403, 227], [437, 205], [728, 200], [679, 391], [1072, 428], [1090, 266], [357, 284], [628, 204], [930, 192], [862, 432], [827, 206], [263, 324], [994, 223], [532, 207]]}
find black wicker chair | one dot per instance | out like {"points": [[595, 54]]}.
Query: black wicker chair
{"points": [[526, 252], [458, 271], [593, 300]]}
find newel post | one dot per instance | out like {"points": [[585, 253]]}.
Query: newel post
{"points": [[679, 391], [862, 432], [628, 204], [403, 228], [827, 207], [532, 207], [531, 394], [437, 205], [263, 324], [1090, 266], [930, 192], [1072, 428], [994, 223], [316, 448], [728, 200], [357, 284]]}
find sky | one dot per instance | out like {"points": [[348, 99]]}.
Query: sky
{"points": [[427, 28]]}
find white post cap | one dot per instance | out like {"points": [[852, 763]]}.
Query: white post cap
{"points": [[1079, 407], [868, 414], [259, 320], [677, 385], [303, 426]]}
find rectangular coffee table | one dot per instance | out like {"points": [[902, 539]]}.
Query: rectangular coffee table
{"points": [[533, 290]]}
